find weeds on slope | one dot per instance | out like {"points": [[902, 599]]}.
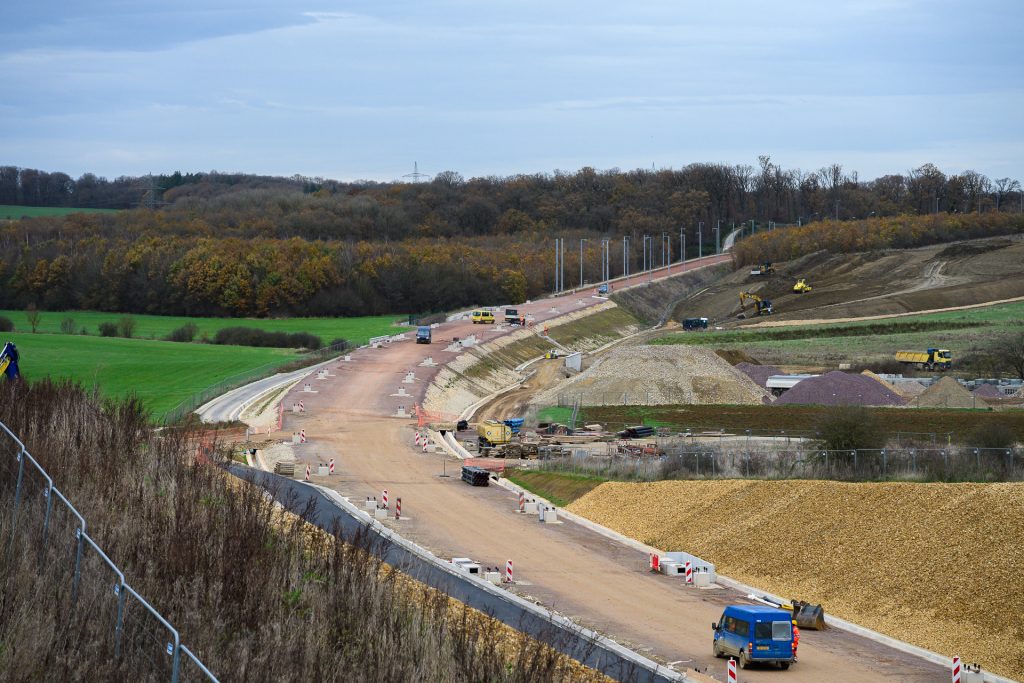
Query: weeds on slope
{"points": [[256, 593]]}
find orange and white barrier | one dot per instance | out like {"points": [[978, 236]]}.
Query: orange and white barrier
{"points": [[730, 672], [384, 499], [508, 572], [307, 472], [330, 467], [956, 670], [522, 502]]}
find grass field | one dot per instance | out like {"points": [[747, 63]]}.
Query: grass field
{"points": [[355, 330], [11, 212], [771, 420], [162, 374], [558, 487], [965, 332]]}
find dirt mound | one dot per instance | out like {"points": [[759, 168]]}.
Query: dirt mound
{"points": [[837, 543], [736, 356], [891, 387], [948, 393], [840, 389], [988, 391], [910, 389], [657, 375], [758, 373]]}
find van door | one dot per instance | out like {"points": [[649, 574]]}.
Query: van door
{"points": [[734, 635], [773, 640]]}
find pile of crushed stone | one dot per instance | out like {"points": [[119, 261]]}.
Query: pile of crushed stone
{"points": [[988, 391], [948, 393], [840, 389], [657, 375], [758, 373]]}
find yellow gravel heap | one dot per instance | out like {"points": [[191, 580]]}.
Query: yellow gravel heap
{"points": [[938, 565]]}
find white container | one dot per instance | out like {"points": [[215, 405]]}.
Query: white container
{"points": [[370, 504], [670, 568], [550, 516], [493, 577], [702, 579], [321, 470], [380, 513], [532, 508]]}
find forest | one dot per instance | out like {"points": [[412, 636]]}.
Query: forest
{"points": [[216, 244]]}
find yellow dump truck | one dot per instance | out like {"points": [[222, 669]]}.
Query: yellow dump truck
{"points": [[932, 359], [491, 433]]}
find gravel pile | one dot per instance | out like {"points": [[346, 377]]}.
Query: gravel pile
{"points": [[658, 375], [934, 564], [840, 389], [948, 393], [988, 391], [758, 373]]}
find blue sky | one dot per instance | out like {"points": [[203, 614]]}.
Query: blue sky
{"points": [[353, 90]]}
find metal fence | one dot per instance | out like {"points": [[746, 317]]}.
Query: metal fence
{"points": [[806, 462], [46, 529]]}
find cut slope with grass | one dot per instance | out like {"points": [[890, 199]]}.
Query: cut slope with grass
{"points": [[561, 489], [161, 374], [355, 330]]}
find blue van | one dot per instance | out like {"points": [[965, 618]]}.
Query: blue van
{"points": [[753, 633], [423, 334]]}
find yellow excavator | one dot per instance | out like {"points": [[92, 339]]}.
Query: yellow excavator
{"points": [[801, 286], [762, 306]]}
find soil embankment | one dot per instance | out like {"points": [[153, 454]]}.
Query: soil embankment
{"points": [[937, 565]]}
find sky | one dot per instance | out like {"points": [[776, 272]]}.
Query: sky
{"points": [[363, 90]]}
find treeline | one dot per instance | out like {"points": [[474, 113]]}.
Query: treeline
{"points": [[899, 232]]}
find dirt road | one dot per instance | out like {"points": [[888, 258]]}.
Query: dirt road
{"points": [[583, 575]]}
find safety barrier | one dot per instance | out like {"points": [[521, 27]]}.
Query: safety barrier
{"points": [[160, 644]]}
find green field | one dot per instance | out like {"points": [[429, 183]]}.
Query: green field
{"points": [[162, 374], [11, 212], [355, 330]]}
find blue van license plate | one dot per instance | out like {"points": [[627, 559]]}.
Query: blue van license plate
{"points": [[763, 647]]}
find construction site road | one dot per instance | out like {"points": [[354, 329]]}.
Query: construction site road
{"points": [[598, 583]]}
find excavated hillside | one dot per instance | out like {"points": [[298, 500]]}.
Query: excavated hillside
{"points": [[938, 565], [869, 284]]}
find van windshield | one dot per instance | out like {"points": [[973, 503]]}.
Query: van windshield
{"points": [[776, 630]]}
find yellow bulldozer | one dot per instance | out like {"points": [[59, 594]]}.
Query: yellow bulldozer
{"points": [[801, 286], [762, 306]]}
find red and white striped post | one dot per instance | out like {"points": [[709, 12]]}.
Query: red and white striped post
{"points": [[508, 572], [655, 562], [302, 407], [384, 499], [307, 472], [522, 501], [330, 467], [398, 508], [730, 672], [424, 445], [689, 572], [417, 438], [302, 436], [956, 670]]}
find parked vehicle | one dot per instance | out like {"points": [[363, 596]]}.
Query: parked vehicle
{"points": [[931, 359], [755, 633], [423, 334], [483, 317], [512, 316], [695, 324], [602, 289]]}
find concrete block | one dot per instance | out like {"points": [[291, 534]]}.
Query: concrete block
{"points": [[380, 513]]}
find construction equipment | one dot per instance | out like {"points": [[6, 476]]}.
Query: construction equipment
{"points": [[805, 614], [765, 268], [512, 316], [932, 359], [695, 324], [763, 306], [9, 361], [491, 433], [801, 286]]}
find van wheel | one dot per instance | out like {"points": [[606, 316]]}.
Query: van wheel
{"points": [[783, 665], [744, 660], [718, 653]]}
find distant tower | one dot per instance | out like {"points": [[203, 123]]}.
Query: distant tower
{"points": [[153, 196], [415, 175]]}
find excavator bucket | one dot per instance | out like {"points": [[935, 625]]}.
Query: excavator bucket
{"points": [[809, 616]]}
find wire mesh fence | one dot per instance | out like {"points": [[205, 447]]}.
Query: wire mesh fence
{"points": [[47, 538], [706, 461]]}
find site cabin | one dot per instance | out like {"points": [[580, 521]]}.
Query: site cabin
{"points": [[423, 334], [931, 359], [753, 633], [695, 324], [483, 317]]}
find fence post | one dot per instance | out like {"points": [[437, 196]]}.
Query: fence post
{"points": [[885, 464], [48, 493], [17, 497], [913, 460], [119, 626], [79, 534], [977, 458], [855, 461]]}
